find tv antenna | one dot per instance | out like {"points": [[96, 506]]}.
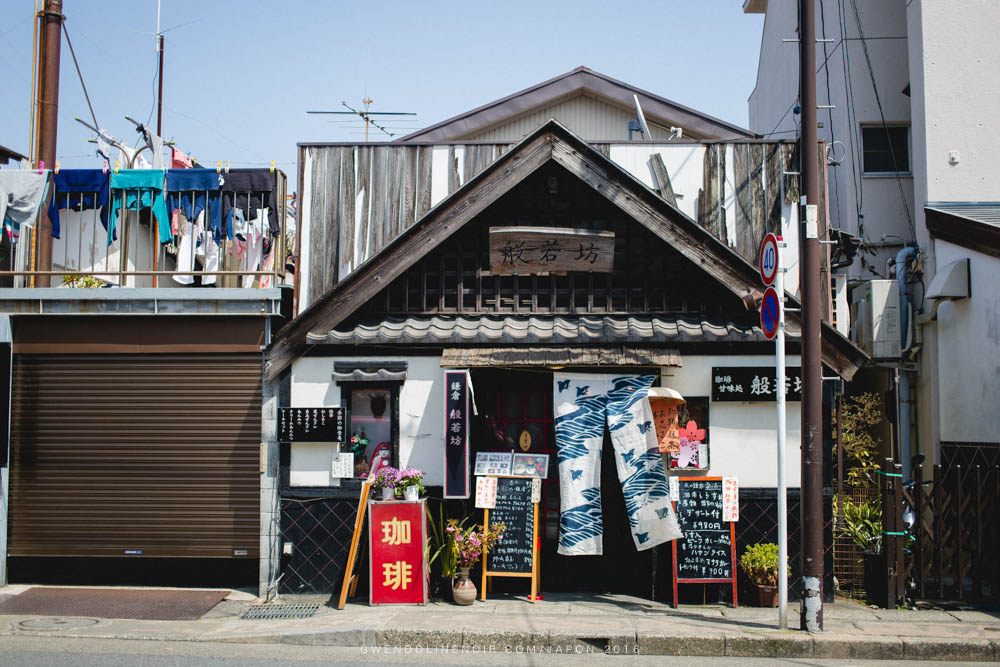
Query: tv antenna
{"points": [[367, 114]]}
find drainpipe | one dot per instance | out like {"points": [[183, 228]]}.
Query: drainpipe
{"points": [[903, 258]]}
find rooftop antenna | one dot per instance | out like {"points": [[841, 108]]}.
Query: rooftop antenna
{"points": [[639, 124], [367, 115]]}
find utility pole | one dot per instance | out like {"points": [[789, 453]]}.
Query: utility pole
{"points": [[159, 94], [812, 371], [48, 111]]}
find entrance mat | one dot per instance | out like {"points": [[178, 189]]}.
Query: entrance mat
{"points": [[280, 611], [143, 604]]}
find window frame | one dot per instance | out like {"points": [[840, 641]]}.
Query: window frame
{"points": [[880, 127]]}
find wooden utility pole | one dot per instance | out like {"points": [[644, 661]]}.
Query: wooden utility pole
{"points": [[811, 512], [48, 112]]}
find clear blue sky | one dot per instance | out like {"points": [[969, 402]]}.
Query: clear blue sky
{"points": [[240, 75]]}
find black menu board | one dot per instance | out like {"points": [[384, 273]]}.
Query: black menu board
{"points": [[514, 553], [705, 551], [310, 425]]}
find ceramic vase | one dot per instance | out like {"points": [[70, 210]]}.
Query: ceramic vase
{"points": [[462, 588], [411, 493]]}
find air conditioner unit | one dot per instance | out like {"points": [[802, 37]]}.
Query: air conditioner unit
{"points": [[875, 318]]}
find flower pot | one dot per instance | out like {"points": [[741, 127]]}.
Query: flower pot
{"points": [[388, 494], [462, 588], [767, 596], [411, 493]]}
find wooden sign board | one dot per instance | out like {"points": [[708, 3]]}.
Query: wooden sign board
{"points": [[707, 552], [350, 579], [533, 250], [516, 555]]}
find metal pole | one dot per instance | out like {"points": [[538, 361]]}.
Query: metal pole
{"points": [[779, 348], [812, 372], [48, 101], [159, 94]]}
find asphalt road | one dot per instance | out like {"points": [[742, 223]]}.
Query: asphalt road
{"points": [[57, 651]]}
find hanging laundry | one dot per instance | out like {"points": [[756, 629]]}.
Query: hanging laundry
{"points": [[104, 143], [79, 190], [21, 195], [156, 146], [247, 189], [180, 160], [127, 156], [582, 404], [137, 189], [193, 191], [254, 234]]}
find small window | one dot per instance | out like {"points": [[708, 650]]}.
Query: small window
{"points": [[886, 149]]}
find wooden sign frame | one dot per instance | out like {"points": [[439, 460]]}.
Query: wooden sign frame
{"points": [[732, 550], [534, 574], [350, 578]]}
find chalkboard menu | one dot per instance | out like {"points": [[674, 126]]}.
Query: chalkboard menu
{"points": [[706, 553], [514, 509]]}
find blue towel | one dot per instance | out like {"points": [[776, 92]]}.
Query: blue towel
{"points": [[140, 188], [79, 190], [194, 190]]}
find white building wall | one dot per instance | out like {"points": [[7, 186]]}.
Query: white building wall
{"points": [[743, 439], [587, 117], [884, 200], [968, 351]]}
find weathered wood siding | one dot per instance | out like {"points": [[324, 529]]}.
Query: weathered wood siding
{"points": [[360, 198]]}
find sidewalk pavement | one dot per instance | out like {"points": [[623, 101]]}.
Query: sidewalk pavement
{"points": [[567, 624]]}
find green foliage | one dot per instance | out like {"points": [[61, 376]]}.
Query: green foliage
{"points": [[438, 544], [760, 562], [859, 416], [863, 524], [74, 280]]}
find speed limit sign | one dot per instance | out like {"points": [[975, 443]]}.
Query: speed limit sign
{"points": [[769, 259]]}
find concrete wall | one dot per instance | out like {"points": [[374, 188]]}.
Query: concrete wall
{"points": [[743, 440], [885, 200], [968, 351]]}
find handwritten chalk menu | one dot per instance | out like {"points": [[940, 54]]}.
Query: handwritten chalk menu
{"points": [[706, 553], [516, 554], [310, 424]]}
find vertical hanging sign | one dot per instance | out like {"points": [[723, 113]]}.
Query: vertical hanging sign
{"points": [[456, 434]]}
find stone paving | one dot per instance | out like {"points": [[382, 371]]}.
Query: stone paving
{"points": [[613, 624]]}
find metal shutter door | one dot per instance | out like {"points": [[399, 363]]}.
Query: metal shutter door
{"points": [[155, 455]]}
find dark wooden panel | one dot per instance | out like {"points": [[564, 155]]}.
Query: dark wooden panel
{"points": [[409, 190], [378, 203], [744, 216], [348, 198], [425, 163], [758, 214], [772, 162], [662, 178], [365, 183], [332, 216], [317, 226]]}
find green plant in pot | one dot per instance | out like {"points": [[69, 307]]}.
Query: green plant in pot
{"points": [[760, 563]]}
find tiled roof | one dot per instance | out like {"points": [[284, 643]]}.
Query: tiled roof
{"points": [[492, 329]]}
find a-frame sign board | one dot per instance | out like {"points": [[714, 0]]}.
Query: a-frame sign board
{"points": [[707, 552]]}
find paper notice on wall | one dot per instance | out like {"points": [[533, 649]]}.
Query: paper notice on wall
{"points": [[730, 499], [343, 465], [486, 492], [536, 490], [675, 489]]}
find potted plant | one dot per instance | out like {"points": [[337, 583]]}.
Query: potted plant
{"points": [[466, 545], [760, 562], [411, 484], [385, 480]]}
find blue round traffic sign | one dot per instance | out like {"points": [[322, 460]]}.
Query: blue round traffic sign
{"points": [[770, 311]]}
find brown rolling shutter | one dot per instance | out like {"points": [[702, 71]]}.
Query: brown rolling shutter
{"points": [[151, 455]]}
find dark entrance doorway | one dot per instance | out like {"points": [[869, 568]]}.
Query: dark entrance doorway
{"points": [[511, 402]]}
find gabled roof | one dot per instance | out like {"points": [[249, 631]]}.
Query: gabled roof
{"points": [[549, 143], [581, 81]]}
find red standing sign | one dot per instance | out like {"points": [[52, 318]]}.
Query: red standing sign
{"points": [[398, 572]]}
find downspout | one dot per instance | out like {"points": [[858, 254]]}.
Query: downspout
{"points": [[903, 258]]}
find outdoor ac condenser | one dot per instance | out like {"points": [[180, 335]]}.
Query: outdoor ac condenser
{"points": [[875, 318]]}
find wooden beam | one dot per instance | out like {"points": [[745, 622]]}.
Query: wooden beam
{"points": [[694, 243], [337, 304], [662, 179]]}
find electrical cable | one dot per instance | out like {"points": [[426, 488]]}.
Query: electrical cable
{"points": [[885, 127], [80, 75]]}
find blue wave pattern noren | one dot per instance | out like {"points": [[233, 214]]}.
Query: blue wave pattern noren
{"points": [[583, 404]]}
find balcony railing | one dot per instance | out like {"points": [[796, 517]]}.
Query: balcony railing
{"points": [[234, 238]]}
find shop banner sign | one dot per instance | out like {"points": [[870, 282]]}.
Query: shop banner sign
{"points": [[750, 384], [456, 434], [533, 250], [310, 425], [397, 533]]}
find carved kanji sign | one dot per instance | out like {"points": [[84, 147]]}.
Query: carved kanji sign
{"points": [[533, 250]]}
